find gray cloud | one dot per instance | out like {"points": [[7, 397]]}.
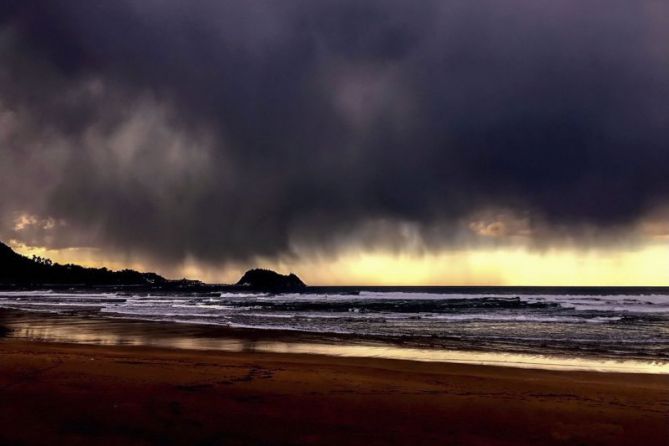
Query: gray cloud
{"points": [[229, 130]]}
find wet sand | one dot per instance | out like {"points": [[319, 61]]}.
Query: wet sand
{"points": [[96, 330], [55, 393]]}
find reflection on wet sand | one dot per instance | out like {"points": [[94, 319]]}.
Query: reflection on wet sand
{"points": [[66, 329]]}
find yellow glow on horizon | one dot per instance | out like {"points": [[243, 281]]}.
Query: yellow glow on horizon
{"points": [[647, 266], [88, 257], [644, 267]]}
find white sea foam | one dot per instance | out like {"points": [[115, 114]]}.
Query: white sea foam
{"points": [[617, 324]]}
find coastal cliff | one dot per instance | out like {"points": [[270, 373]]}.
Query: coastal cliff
{"points": [[16, 269]]}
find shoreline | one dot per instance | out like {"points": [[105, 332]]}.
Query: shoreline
{"points": [[96, 330], [56, 393], [106, 389]]}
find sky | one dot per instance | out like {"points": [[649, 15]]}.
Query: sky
{"points": [[523, 142]]}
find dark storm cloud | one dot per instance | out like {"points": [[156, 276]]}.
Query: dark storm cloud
{"points": [[229, 129]]}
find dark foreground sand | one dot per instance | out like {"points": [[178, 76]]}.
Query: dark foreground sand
{"points": [[77, 394]]}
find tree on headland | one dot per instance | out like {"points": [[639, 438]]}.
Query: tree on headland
{"points": [[16, 269], [42, 260]]}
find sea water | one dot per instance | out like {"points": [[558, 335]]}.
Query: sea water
{"points": [[609, 324]]}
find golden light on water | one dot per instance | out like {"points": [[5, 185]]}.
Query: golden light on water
{"points": [[90, 332]]}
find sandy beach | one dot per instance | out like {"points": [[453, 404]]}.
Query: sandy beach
{"points": [[318, 222], [55, 393]]}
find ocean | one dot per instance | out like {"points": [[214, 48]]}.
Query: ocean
{"points": [[612, 323]]}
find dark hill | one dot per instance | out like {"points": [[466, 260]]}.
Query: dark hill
{"points": [[16, 269], [266, 280]]}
